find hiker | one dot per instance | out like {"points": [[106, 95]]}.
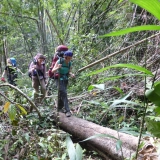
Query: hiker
{"points": [[58, 54], [38, 75], [10, 71], [62, 67]]}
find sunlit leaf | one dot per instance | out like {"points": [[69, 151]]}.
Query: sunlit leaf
{"points": [[116, 102], [129, 130], [91, 87], [99, 135], [64, 156], [152, 6], [79, 153], [12, 112], [70, 148], [22, 109], [50, 148], [41, 144], [99, 86], [118, 89], [6, 106], [133, 29], [135, 67]]}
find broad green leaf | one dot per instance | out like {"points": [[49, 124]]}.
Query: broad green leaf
{"points": [[130, 132], [153, 96], [152, 6], [70, 148], [22, 109], [153, 126], [116, 102], [118, 145], [157, 110], [50, 148], [6, 106], [135, 67], [91, 87], [124, 101], [64, 156], [12, 112], [79, 153], [99, 86], [118, 89], [41, 144], [133, 29], [99, 135], [157, 88]]}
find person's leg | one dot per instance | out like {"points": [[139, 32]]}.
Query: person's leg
{"points": [[63, 95], [60, 100], [35, 85]]}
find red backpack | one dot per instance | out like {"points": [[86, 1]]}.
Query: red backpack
{"points": [[59, 54]]}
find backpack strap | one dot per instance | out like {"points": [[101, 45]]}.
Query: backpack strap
{"points": [[62, 61]]}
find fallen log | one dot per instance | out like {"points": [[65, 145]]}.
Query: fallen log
{"points": [[106, 146]]}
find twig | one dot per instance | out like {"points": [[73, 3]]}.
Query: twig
{"points": [[79, 107]]}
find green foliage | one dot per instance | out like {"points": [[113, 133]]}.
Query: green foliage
{"points": [[151, 6], [138, 68], [12, 112], [153, 125], [75, 153], [118, 143], [133, 29]]}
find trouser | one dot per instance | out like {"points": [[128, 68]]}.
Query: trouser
{"points": [[12, 79], [62, 97], [39, 90]]}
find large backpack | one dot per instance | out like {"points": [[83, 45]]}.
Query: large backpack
{"points": [[59, 54], [30, 74]]}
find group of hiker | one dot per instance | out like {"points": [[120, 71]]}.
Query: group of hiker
{"points": [[60, 70]]}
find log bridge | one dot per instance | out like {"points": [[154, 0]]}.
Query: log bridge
{"points": [[104, 146]]}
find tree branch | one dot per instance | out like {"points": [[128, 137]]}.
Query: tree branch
{"points": [[15, 88]]}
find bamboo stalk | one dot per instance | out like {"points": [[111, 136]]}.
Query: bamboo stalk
{"points": [[117, 52]]}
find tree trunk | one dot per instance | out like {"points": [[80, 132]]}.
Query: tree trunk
{"points": [[105, 146]]}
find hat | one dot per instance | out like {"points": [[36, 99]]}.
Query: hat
{"points": [[68, 53]]}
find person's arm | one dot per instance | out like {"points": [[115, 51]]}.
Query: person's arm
{"points": [[4, 73], [71, 74], [56, 67], [32, 67]]}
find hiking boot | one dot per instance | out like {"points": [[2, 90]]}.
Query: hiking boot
{"points": [[62, 110], [68, 114]]}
